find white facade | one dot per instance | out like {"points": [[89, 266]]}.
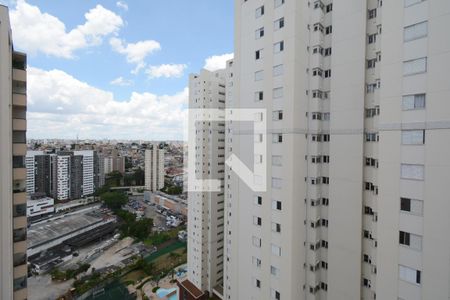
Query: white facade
{"points": [[88, 172], [40, 207], [31, 170], [63, 177], [154, 169], [206, 209]]}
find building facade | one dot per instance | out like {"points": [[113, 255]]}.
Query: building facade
{"points": [[154, 168], [358, 132], [13, 127]]}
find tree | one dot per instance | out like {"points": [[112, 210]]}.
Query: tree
{"points": [[114, 200], [114, 178]]}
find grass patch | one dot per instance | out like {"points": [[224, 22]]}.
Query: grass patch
{"points": [[133, 276], [171, 248]]}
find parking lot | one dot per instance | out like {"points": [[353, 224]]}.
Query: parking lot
{"points": [[150, 211]]}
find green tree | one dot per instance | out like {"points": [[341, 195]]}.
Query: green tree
{"points": [[114, 200], [114, 178]]}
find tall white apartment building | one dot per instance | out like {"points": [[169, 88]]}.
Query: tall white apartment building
{"points": [[13, 148], [206, 222], [63, 177], [88, 187], [31, 170], [357, 144], [154, 168]]}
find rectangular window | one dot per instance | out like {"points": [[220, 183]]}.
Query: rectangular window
{"points": [[411, 240], [259, 96], [276, 227], [278, 24], [258, 138], [371, 63], [277, 93], [329, 29], [277, 160], [415, 172], [274, 271], [415, 66], [412, 2], [258, 54], [412, 206], [259, 11], [257, 221], [276, 205], [276, 250], [256, 242], [259, 33], [278, 47], [259, 75], [409, 275], [274, 295], [277, 115], [278, 70], [277, 183], [257, 283], [413, 137], [415, 31], [257, 200], [278, 3], [256, 262], [277, 138], [372, 13], [372, 38], [413, 102]]}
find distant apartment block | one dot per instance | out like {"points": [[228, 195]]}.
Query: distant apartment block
{"points": [[114, 162], [358, 116], [65, 175], [154, 168], [13, 127]]}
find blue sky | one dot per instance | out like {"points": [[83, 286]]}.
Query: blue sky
{"points": [[116, 69]]}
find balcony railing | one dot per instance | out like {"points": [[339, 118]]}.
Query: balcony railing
{"points": [[19, 235], [20, 283]]}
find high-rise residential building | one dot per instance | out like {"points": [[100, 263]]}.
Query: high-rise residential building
{"points": [[356, 150], [41, 173], [114, 162], [154, 168], [206, 209], [13, 148]]}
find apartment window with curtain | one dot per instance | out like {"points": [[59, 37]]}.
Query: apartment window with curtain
{"points": [[278, 47], [415, 66], [413, 102], [413, 137], [409, 274], [412, 206], [278, 24], [415, 172], [415, 31], [409, 3], [278, 93], [410, 240], [259, 33], [259, 11]]}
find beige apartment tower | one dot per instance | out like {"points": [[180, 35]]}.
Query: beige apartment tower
{"points": [[358, 113], [154, 168], [13, 148]]}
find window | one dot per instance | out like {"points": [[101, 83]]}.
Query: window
{"points": [[412, 206], [277, 138], [329, 7], [317, 72], [413, 102], [327, 51], [274, 271], [20, 210], [257, 221], [278, 3], [259, 75], [408, 274], [278, 47], [259, 96], [257, 283], [372, 38], [411, 240], [259, 11], [276, 183], [256, 262], [412, 2], [257, 200], [277, 93], [327, 73], [371, 63], [415, 31], [413, 137], [259, 33], [278, 24], [415, 172], [276, 227], [277, 115], [276, 250], [276, 205], [275, 295], [415, 66], [329, 29], [278, 70], [372, 13], [258, 54], [256, 242], [20, 283], [277, 160]]}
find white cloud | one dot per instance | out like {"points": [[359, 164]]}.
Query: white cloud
{"points": [[63, 106], [122, 4], [120, 81], [135, 53], [35, 31], [166, 70], [216, 62]]}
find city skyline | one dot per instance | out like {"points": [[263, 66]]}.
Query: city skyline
{"points": [[112, 79]]}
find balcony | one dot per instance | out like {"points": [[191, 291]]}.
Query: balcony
{"points": [[20, 224], [20, 283], [20, 174], [19, 100], [19, 75], [19, 87], [20, 259], [19, 124]]}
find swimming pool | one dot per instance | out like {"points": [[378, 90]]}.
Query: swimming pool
{"points": [[161, 293]]}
